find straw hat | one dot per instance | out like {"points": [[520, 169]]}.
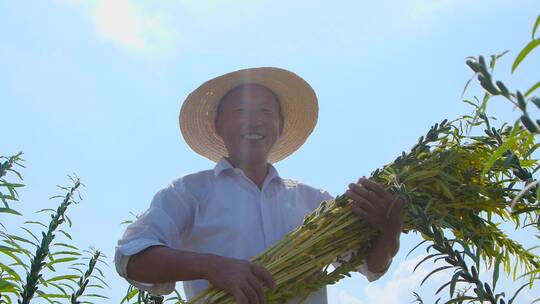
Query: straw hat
{"points": [[298, 105]]}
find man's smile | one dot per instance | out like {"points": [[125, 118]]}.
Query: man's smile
{"points": [[252, 136]]}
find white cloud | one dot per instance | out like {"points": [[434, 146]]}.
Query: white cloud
{"points": [[346, 298], [128, 24], [403, 281]]}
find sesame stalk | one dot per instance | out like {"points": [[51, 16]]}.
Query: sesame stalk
{"points": [[84, 279], [42, 250]]}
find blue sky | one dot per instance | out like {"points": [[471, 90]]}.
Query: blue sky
{"points": [[94, 88]]}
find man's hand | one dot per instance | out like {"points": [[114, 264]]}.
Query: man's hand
{"points": [[375, 205], [383, 211], [242, 279]]}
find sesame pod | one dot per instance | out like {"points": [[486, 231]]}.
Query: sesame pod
{"points": [[465, 276], [487, 288], [482, 62], [502, 88], [536, 101], [438, 248], [487, 85], [521, 101], [472, 65], [474, 272], [529, 124]]}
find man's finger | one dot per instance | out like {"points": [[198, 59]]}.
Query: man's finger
{"points": [[360, 212], [366, 204], [256, 285], [373, 186], [239, 296], [363, 191], [250, 294], [263, 274]]}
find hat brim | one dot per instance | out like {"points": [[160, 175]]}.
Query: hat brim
{"points": [[298, 105]]}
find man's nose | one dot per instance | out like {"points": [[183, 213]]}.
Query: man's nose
{"points": [[253, 118]]}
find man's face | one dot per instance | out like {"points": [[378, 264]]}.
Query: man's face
{"points": [[249, 121]]}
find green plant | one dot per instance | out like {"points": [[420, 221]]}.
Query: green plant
{"points": [[44, 253], [9, 164]]}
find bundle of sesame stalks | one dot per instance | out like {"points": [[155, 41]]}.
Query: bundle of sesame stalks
{"points": [[457, 182]]}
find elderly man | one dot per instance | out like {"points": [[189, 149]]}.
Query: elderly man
{"points": [[204, 227]]}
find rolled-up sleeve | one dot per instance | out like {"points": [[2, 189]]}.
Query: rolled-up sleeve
{"points": [[161, 225], [363, 268]]}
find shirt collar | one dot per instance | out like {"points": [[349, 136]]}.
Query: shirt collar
{"points": [[224, 165]]}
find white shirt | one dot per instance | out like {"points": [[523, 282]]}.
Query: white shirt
{"points": [[221, 211]]}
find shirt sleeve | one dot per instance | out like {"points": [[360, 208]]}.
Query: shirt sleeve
{"points": [[168, 216], [363, 268]]}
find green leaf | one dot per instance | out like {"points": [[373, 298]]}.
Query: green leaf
{"points": [[509, 142], [427, 258], [37, 223], [63, 277], [129, 295], [496, 270], [517, 292], [455, 279], [460, 299], [66, 245], [46, 209], [9, 210], [20, 239], [62, 260], [5, 248], [66, 234], [17, 260], [494, 59], [526, 50], [100, 279], [435, 271], [66, 253], [93, 295], [6, 286], [12, 272], [532, 89], [535, 27], [467, 85], [31, 234]]}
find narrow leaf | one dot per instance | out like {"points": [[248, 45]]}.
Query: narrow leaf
{"points": [[435, 271], [526, 50], [532, 89], [535, 27], [509, 142], [9, 210]]}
